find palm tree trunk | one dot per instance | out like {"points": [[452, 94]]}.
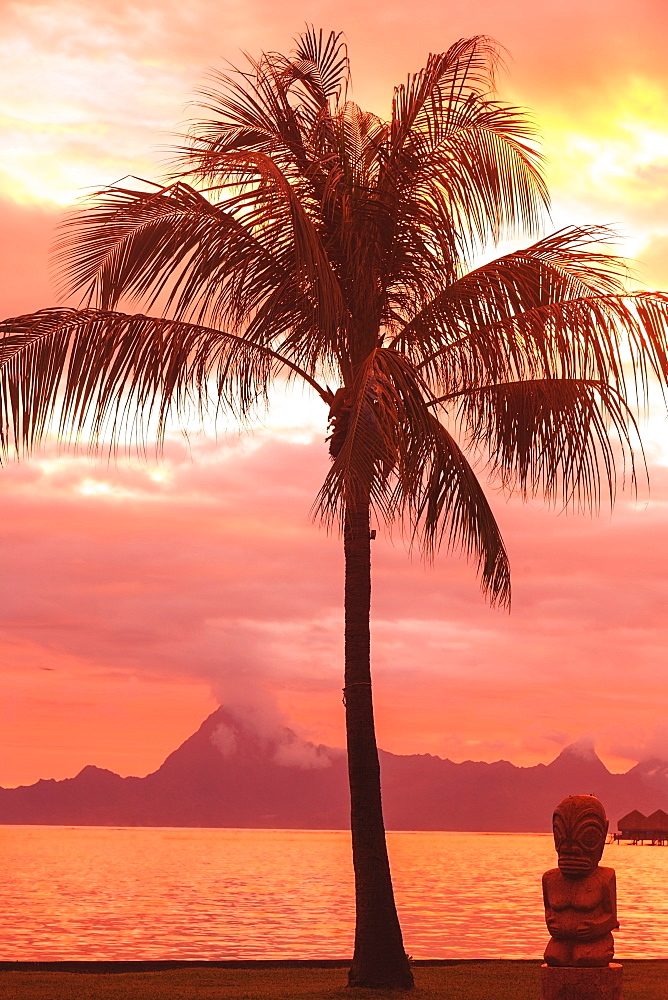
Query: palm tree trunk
{"points": [[379, 959]]}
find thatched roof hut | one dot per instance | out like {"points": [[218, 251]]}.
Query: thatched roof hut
{"points": [[634, 822], [635, 826], [658, 821]]}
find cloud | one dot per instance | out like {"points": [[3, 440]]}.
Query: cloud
{"points": [[257, 722], [297, 753], [653, 262], [91, 92], [224, 738], [557, 736], [584, 747], [645, 746], [26, 233], [212, 574]]}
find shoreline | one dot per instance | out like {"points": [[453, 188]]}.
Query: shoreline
{"points": [[110, 967], [165, 965], [294, 979]]}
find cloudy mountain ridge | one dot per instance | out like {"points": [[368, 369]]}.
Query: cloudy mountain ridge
{"points": [[229, 775]]}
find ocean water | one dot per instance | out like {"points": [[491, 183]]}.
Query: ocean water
{"points": [[137, 893]]}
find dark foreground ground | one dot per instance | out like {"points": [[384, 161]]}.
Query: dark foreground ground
{"points": [[489, 980]]}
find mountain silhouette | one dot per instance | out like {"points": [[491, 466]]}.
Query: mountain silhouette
{"points": [[228, 774]]}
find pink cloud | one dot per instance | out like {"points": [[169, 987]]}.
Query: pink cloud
{"points": [[216, 578], [26, 234]]}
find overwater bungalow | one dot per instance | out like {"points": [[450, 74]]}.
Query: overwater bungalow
{"points": [[640, 829]]}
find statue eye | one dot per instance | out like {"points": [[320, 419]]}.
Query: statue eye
{"points": [[590, 837], [558, 828]]}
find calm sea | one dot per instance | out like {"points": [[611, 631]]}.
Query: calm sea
{"points": [[102, 893]]}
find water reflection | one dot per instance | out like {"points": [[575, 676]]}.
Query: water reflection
{"points": [[101, 893]]}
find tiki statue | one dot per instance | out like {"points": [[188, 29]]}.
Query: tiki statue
{"points": [[579, 896]]}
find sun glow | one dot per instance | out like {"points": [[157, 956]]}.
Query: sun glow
{"points": [[613, 156], [95, 488]]}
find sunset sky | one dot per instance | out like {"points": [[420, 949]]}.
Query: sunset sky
{"points": [[135, 595]]}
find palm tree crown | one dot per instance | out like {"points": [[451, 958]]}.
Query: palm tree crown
{"points": [[300, 237]]}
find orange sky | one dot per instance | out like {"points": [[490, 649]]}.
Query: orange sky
{"points": [[134, 596]]}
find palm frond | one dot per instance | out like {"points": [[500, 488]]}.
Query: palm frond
{"points": [[98, 372], [452, 505], [586, 338], [392, 449], [560, 438], [169, 242], [566, 264], [281, 107], [254, 261], [467, 67], [321, 65], [456, 154], [364, 443], [556, 309], [251, 112]]}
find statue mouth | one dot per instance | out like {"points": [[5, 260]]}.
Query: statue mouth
{"points": [[574, 865]]}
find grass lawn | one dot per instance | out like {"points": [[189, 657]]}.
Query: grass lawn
{"points": [[467, 981]]}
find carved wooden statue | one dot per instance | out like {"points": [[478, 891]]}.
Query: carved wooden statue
{"points": [[580, 897]]}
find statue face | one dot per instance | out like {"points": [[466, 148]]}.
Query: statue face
{"points": [[580, 828]]}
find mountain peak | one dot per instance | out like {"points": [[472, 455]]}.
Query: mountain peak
{"points": [[582, 751], [93, 773], [229, 739]]}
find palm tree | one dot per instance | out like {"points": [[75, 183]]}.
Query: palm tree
{"points": [[301, 238]]}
